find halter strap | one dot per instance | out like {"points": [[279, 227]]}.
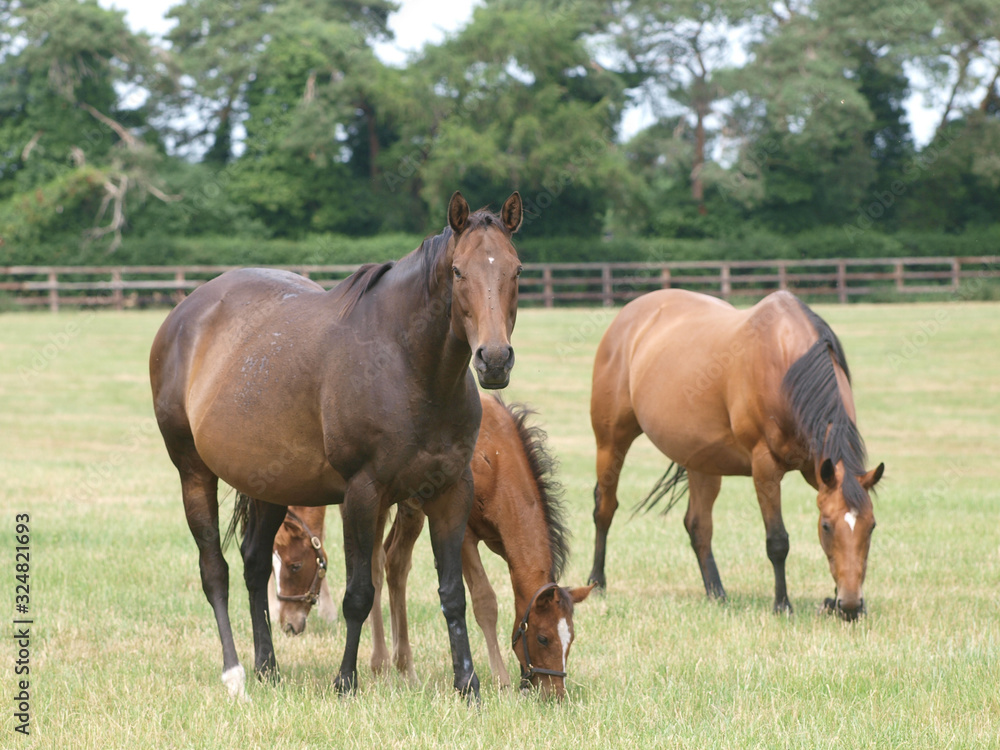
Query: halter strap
{"points": [[312, 595], [521, 634]]}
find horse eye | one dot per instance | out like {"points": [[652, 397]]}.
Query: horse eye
{"points": [[518, 271], [543, 640], [827, 528], [874, 524], [458, 274], [296, 567]]}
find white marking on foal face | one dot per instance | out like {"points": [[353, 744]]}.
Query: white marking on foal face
{"points": [[852, 518], [276, 564], [565, 637], [491, 261]]}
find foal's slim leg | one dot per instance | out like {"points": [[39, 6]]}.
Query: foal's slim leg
{"points": [[380, 654], [398, 561], [484, 606], [703, 489], [258, 550], [767, 481]]}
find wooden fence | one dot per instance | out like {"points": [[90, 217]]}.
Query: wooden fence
{"points": [[549, 284]]}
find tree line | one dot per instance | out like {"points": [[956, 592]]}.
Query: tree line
{"points": [[777, 128]]}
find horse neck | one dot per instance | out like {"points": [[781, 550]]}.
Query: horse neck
{"points": [[520, 523], [423, 306]]}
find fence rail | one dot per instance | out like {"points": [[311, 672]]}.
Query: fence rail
{"points": [[549, 284]]}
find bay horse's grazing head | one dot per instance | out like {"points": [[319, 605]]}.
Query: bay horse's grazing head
{"points": [[543, 636], [818, 386], [846, 523], [299, 565], [485, 269]]}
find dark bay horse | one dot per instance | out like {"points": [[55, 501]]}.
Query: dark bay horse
{"points": [[517, 513], [360, 395], [724, 392]]}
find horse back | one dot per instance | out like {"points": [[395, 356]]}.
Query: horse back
{"points": [[704, 378]]}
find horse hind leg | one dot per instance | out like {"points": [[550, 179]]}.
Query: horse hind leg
{"points": [[199, 489], [263, 522], [703, 490], [613, 443]]}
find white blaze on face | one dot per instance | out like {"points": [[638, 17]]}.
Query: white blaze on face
{"points": [[852, 518], [565, 637], [277, 572], [491, 261]]}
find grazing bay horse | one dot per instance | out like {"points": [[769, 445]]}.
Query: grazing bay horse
{"points": [[517, 513], [724, 392], [360, 395]]}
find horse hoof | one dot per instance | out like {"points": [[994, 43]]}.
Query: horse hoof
{"points": [[235, 680]]}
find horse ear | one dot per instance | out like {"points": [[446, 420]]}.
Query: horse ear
{"points": [[581, 592], [512, 212], [870, 479], [458, 213], [828, 474]]}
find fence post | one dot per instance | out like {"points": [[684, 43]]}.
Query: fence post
{"points": [[782, 276], [665, 278], [897, 273], [607, 288], [548, 296], [117, 298], [53, 292], [842, 282], [956, 274], [725, 283], [179, 293]]}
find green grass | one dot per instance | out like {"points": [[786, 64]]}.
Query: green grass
{"points": [[125, 652]]}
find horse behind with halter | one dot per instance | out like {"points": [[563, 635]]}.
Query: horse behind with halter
{"points": [[723, 392], [517, 513]]}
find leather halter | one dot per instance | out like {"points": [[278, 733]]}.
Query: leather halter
{"points": [[312, 595], [521, 633]]}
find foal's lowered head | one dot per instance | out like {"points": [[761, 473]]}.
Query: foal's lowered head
{"points": [[484, 272], [543, 636], [846, 523]]}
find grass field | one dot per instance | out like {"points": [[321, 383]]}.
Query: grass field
{"points": [[124, 652]]}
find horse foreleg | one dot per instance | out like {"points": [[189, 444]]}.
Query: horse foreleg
{"points": [[448, 514], [703, 489], [201, 505], [767, 481], [399, 559], [258, 550], [380, 654], [611, 450], [484, 606], [360, 515]]}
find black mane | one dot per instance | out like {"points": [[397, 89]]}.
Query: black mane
{"points": [[811, 388], [550, 491]]}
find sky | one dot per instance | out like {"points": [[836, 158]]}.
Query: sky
{"points": [[419, 22]]}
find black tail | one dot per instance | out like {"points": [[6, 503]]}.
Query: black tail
{"points": [[241, 514], [674, 483]]}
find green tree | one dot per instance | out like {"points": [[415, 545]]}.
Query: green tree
{"points": [[71, 155]]}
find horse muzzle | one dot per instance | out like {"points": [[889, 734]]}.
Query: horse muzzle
{"points": [[493, 365], [849, 611]]}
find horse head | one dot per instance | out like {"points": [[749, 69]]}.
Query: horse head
{"points": [[846, 522], [484, 270], [299, 569], [543, 636]]}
